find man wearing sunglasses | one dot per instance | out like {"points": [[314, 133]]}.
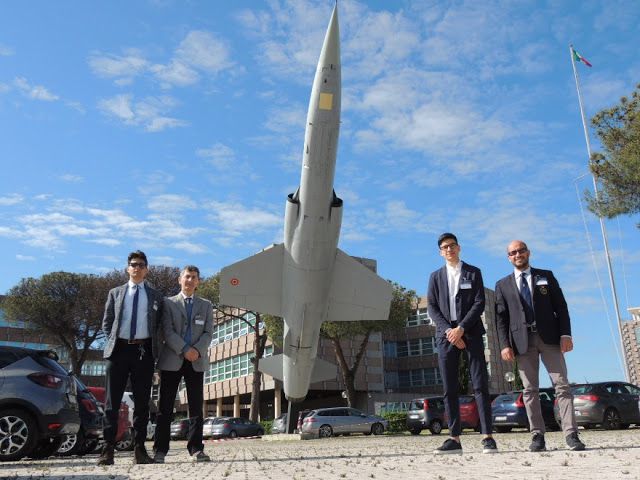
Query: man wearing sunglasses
{"points": [[533, 323], [131, 325], [455, 302]]}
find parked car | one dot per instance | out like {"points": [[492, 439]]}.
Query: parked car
{"points": [[280, 424], [179, 429], [508, 411], [426, 413], [91, 419], [612, 405], [326, 422], [301, 415], [207, 426], [124, 435], [38, 403], [469, 416], [233, 427]]}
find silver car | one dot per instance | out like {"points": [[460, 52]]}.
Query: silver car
{"points": [[325, 422], [207, 426], [38, 403]]}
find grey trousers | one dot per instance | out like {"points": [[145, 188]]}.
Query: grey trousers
{"points": [[529, 368]]}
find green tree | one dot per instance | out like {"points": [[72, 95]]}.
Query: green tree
{"points": [[617, 168], [66, 307], [402, 303]]}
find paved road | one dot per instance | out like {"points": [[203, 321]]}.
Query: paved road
{"points": [[610, 455]]}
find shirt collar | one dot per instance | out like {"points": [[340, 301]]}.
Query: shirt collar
{"points": [[184, 296], [456, 269], [132, 284], [518, 273]]}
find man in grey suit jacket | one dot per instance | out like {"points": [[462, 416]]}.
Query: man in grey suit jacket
{"points": [[533, 322], [187, 323], [131, 325]]}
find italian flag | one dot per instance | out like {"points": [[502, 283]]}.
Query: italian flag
{"points": [[579, 58]]}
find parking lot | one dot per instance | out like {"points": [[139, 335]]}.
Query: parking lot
{"points": [[610, 454]]}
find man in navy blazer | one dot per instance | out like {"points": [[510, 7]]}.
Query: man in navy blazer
{"points": [[455, 302], [131, 325], [533, 323]]}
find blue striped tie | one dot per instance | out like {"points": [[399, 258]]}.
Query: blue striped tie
{"points": [[524, 290], [134, 313]]}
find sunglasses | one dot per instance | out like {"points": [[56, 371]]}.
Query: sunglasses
{"points": [[137, 265], [520, 251]]}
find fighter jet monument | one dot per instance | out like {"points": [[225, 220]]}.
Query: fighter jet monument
{"points": [[307, 280]]}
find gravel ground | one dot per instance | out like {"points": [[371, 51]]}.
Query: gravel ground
{"points": [[609, 455]]}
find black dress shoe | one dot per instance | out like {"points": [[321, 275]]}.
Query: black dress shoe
{"points": [[537, 443], [106, 457], [140, 455], [449, 446]]}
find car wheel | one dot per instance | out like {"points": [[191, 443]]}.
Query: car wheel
{"points": [[435, 427], [325, 431], [611, 419], [377, 429], [503, 429], [69, 444], [126, 443], [89, 446], [18, 434], [46, 448], [233, 434], [415, 431]]}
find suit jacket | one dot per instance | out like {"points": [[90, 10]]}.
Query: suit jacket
{"points": [[174, 326], [469, 301], [113, 315], [549, 307]]}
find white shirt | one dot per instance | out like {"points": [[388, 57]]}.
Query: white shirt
{"points": [[142, 323], [453, 279], [518, 274]]}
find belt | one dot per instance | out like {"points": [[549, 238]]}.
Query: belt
{"points": [[135, 341], [533, 328]]}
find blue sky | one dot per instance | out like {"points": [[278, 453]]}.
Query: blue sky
{"points": [[177, 128]]}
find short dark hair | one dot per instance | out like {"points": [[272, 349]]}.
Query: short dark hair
{"points": [[190, 268], [446, 236], [137, 254]]}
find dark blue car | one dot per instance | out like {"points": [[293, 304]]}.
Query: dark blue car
{"points": [[508, 411]]}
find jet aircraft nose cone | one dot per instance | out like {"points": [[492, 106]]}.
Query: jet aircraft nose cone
{"points": [[330, 54]]}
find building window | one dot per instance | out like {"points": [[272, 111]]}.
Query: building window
{"points": [[419, 377], [419, 317], [232, 367], [637, 330], [390, 350], [414, 348], [232, 328], [390, 380], [93, 368]]}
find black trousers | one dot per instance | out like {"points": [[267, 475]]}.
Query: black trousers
{"points": [[169, 382], [449, 360], [135, 362]]}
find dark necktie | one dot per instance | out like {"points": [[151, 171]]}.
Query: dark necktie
{"points": [[524, 290], [134, 313], [189, 306]]}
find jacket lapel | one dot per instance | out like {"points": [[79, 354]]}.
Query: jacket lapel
{"points": [[444, 282]]}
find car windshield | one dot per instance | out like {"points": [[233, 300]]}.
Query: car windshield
{"points": [[581, 389], [507, 397], [220, 420]]}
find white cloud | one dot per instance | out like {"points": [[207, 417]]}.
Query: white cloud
{"points": [[170, 203], [233, 219], [6, 51], [124, 68], [148, 112], [11, 199], [205, 51], [35, 92], [25, 258], [71, 178], [219, 155], [190, 247]]}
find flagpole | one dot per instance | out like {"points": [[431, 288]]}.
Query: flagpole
{"points": [[602, 226]]}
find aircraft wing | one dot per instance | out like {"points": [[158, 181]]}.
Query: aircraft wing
{"points": [[322, 370], [357, 293], [255, 283]]}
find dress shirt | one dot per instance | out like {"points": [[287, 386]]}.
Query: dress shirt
{"points": [[517, 273], [142, 323], [453, 279]]}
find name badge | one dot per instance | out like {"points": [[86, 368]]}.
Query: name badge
{"points": [[541, 281], [465, 286], [199, 322]]}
